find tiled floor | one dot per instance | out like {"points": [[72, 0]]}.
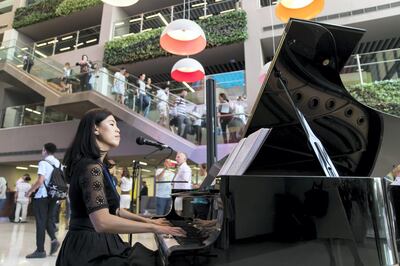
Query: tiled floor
{"points": [[18, 240]]}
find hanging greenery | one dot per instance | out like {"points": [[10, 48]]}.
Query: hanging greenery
{"points": [[38, 12], [70, 6], [48, 9], [220, 30]]}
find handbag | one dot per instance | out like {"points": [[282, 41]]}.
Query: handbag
{"points": [[316, 201]]}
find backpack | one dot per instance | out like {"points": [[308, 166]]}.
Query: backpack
{"points": [[57, 188]]}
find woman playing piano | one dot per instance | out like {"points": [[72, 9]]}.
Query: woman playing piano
{"points": [[96, 219]]}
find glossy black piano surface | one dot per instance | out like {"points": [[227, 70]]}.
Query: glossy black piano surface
{"points": [[307, 221], [268, 219], [309, 58]]}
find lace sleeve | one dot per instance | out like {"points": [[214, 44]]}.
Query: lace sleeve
{"points": [[93, 189]]}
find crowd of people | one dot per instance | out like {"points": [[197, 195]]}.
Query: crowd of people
{"points": [[139, 94], [175, 112], [172, 111]]}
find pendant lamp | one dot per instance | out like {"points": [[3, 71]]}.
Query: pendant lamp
{"points": [[183, 37], [263, 72], [120, 3], [187, 70], [302, 9]]}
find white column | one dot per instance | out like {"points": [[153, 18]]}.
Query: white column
{"points": [[110, 15]]}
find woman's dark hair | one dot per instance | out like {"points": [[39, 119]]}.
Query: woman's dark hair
{"points": [[125, 172], [84, 56], [223, 96], [84, 145]]}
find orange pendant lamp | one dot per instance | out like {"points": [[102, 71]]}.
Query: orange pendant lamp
{"points": [[183, 37], [301, 9], [187, 70]]}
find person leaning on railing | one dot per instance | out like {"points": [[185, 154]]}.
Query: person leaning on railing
{"points": [[197, 123], [143, 100], [27, 62], [162, 106], [66, 78], [181, 119], [84, 75], [118, 88]]}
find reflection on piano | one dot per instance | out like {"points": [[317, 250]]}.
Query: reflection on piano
{"points": [[283, 210], [201, 216]]}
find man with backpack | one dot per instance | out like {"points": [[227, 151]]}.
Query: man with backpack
{"points": [[44, 201]]}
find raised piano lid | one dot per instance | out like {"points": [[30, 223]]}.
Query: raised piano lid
{"points": [[309, 57]]}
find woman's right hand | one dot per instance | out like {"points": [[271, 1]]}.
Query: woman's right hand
{"points": [[169, 230]]}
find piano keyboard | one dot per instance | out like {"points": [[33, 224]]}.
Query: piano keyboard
{"points": [[201, 233]]}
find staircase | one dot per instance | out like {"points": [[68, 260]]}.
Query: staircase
{"points": [[44, 79]]}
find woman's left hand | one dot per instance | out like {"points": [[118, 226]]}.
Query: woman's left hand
{"points": [[159, 221]]}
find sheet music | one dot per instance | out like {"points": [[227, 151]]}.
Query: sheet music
{"points": [[228, 163], [244, 153]]}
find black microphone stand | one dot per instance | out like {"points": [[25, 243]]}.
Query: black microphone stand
{"points": [[136, 173]]}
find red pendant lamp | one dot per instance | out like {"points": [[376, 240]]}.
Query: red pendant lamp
{"points": [[187, 70], [183, 37]]}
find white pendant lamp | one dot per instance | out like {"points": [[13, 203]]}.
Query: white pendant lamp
{"points": [[302, 9], [263, 72], [187, 70], [183, 37], [120, 3]]}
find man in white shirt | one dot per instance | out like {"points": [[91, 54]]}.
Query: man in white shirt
{"points": [[184, 177], [163, 188], [21, 200], [183, 174], [43, 206]]}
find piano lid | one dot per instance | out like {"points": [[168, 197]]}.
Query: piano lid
{"points": [[309, 57]]}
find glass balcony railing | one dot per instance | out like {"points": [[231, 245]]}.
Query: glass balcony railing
{"points": [[374, 79], [31, 114], [166, 109], [194, 10], [68, 42], [372, 67], [230, 83]]}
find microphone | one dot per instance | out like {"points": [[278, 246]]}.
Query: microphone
{"points": [[143, 141]]}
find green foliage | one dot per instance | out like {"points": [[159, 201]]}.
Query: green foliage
{"points": [[134, 48], [69, 6], [220, 30], [381, 95], [48, 9], [41, 11], [225, 29]]}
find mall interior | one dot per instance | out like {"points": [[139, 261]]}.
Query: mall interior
{"points": [[320, 78]]}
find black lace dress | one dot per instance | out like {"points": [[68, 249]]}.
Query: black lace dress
{"points": [[91, 189]]}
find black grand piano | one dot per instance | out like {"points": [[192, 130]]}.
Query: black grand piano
{"points": [[315, 194]]}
